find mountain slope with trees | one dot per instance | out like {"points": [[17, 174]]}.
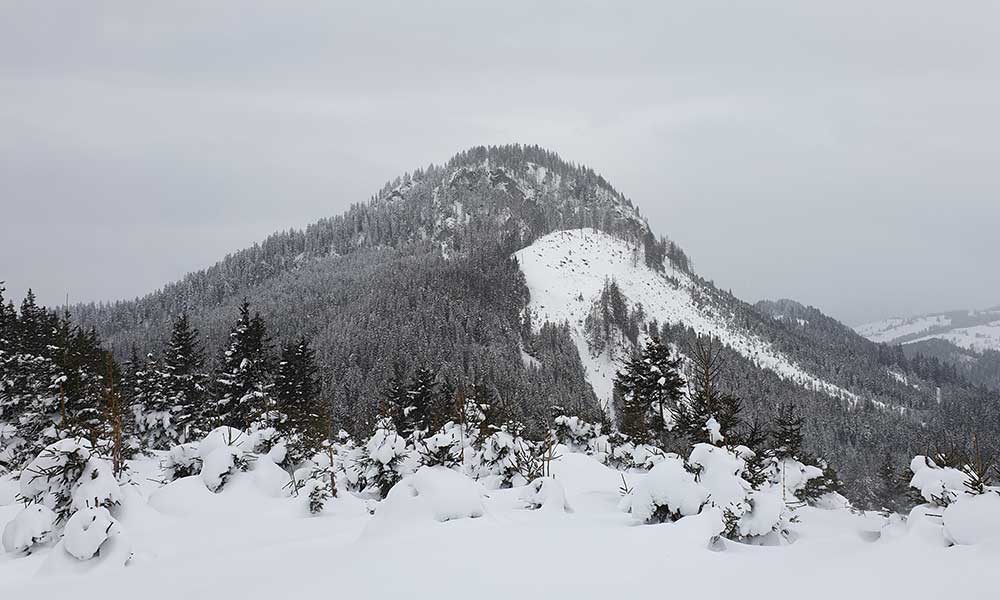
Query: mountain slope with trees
{"points": [[422, 276]]}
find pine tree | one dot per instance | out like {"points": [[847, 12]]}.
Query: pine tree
{"points": [[242, 382], [421, 397], [817, 487], [31, 398], [787, 435], [650, 385], [155, 426], [705, 400], [183, 380], [8, 333], [892, 491], [302, 416]]}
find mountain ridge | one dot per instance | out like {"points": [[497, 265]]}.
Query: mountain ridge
{"points": [[432, 271]]}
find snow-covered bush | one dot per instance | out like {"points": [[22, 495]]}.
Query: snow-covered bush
{"points": [[617, 451], [497, 459], [971, 509], [97, 486], [316, 481], [793, 476], [431, 495], [87, 530], [444, 448], [385, 459], [939, 486], [711, 477], [68, 476], [8, 445], [223, 452], [973, 519], [575, 433], [32, 526], [182, 461], [545, 493]]}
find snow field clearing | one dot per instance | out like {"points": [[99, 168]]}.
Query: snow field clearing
{"points": [[247, 542], [566, 271]]}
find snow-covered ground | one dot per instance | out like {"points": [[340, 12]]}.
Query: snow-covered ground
{"points": [[249, 542], [973, 330], [566, 271]]}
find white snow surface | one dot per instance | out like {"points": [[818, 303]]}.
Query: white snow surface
{"points": [[32, 526], [244, 542], [972, 330], [566, 271]]}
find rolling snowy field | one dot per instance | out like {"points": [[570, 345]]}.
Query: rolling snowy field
{"points": [[254, 541], [972, 330]]}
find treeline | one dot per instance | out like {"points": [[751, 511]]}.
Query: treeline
{"points": [[57, 381]]}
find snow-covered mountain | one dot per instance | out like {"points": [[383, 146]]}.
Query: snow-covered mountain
{"points": [[424, 275], [566, 272], [976, 330]]}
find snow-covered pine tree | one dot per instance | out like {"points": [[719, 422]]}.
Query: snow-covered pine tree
{"points": [[706, 402], [183, 380], [155, 427], [85, 373], [421, 398], [650, 385], [302, 417], [30, 396], [891, 490], [243, 379], [383, 461], [817, 487], [786, 436]]}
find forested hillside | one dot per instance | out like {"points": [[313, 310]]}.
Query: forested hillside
{"points": [[422, 276]]}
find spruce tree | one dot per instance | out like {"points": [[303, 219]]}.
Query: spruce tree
{"points": [[183, 380], [31, 396], [8, 333], [302, 416], [155, 426], [422, 395], [242, 381], [705, 400], [787, 434], [892, 491], [650, 385]]}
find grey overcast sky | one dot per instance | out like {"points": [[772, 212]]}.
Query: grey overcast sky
{"points": [[844, 154]]}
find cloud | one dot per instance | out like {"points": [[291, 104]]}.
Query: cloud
{"points": [[840, 154]]}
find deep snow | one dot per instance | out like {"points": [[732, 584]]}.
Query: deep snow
{"points": [[249, 542]]}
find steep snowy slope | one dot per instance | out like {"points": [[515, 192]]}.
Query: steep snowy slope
{"points": [[567, 270], [972, 330]]}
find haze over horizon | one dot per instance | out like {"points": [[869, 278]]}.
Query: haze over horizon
{"points": [[842, 156]]}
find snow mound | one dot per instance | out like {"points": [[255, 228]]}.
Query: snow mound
{"points": [[973, 520], [31, 527], [87, 530], [432, 494], [669, 491], [97, 486], [938, 485], [545, 493]]}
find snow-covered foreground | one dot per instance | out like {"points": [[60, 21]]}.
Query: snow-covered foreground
{"points": [[252, 541]]}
